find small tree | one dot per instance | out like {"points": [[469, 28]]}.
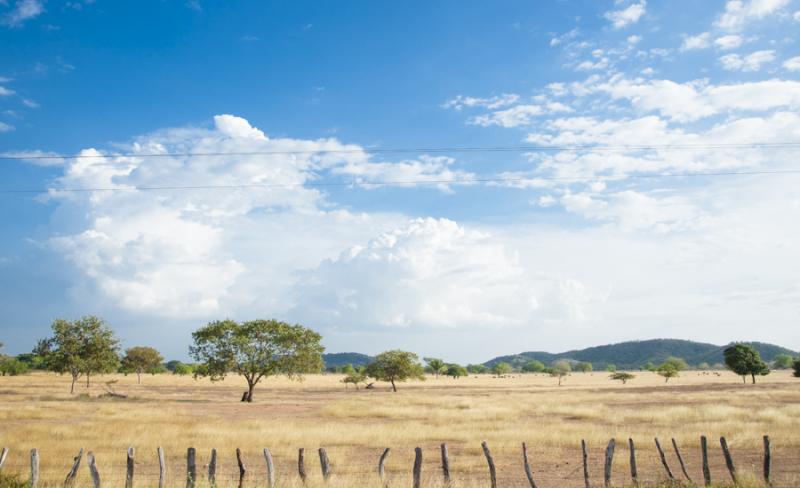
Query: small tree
{"points": [[455, 371], [611, 368], [396, 366], [703, 366], [782, 361], [796, 367], [560, 369], [355, 376], [142, 359], [183, 369], [744, 360], [80, 347], [12, 366], [436, 366], [584, 367], [667, 371], [477, 369], [256, 349], [502, 369], [533, 366], [623, 377], [650, 367], [678, 363]]}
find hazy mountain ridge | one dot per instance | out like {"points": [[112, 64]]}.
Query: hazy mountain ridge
{"points": [[339, 359], [635, 354]]}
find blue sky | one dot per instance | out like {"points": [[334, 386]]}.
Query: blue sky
{"points": [[563, 248]]}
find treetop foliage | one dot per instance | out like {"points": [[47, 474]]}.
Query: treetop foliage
{"points": [[395, 366], [744, 360]]}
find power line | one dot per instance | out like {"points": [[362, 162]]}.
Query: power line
{"points": [[457, 149], [451, 181]]}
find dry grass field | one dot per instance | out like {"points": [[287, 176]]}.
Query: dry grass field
{"points": [[355, 426]]}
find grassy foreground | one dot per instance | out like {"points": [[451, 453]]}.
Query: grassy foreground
{"points": [[355, 426]]}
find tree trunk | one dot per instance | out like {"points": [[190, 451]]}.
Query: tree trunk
{"points": [[753, 375], [72, 386], [250, 387], [139, 377], [87, 379], [394, 388]]}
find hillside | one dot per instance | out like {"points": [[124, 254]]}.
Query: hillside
{"points": [[635, 354], [338, 359]]}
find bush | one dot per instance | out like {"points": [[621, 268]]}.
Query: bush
{"points": [[183, 369], [12, 366], [533, 366]]}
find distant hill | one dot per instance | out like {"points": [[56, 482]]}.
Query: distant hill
{"points": [[635, 354], [339, 359]]}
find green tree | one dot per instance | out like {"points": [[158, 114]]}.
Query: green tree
{"points": [[611, 368], [455, 371], [533, 366], [183, 369], [172, 365], [11, 366], [348, 369], [678, 363], [354, 376], [436, 365], [650, 367], [703, 367], [583, 367], [667, 371], [623, 377], [256, 349], [501, 369], [477, 368], [142, 359], [782, 361], [744, 360], [796, 367], [560, 369], [396, 366], [80, 347]]}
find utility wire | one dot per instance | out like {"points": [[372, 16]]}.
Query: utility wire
{"points": [[461, 149], [451, 181]]}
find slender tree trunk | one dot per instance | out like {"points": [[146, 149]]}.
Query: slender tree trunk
{"points": [[72, 386], [87, 379], [394, 388], [250, 387], [139, 377]]}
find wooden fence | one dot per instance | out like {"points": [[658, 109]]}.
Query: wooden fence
{"points": [[326, 466]]}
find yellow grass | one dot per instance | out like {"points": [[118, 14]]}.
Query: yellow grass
{"points": [[355, 426]]}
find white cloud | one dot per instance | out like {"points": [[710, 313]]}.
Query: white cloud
{"points": [[634, 39], [23, 10], [588, 65], [731, 41], [494, 102], [792, 64], [751, 62], [738, 12], [6, 127], [629, 15], [518, 115], [5, 92], [700, 41]]}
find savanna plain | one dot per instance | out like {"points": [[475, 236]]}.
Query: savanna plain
{"points": [[355, 426]]}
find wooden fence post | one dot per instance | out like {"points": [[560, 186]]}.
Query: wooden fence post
{"points": [[93, 469], [417, 467], [162, 468], [212, 468], [585, 464], [129, 467], [34, 481], [73, 472], [3, 456], [382, 465], [445, 464], [242, 467], [767, 460], [728, 459], [680, 460], [191, 467], [664, 460], [527, 466], [609, 460], [301, 464], [490, 461], [270, 469], [704, 453], [325, 464], [634, 473]]}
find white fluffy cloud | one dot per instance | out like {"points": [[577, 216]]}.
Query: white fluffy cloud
{"points": [[731, 41], [492, 103], [700, 41], [740, 12], [22, 11], [751, 62], [626, 16], [792, 64]]}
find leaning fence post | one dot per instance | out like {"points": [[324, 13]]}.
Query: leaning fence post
{"points": [[490, 461], [664, 459], [704, 453], [129, 469], [634, 473], [382, 465], [3, 456], [417, 467], [767, 460], [34, 468], [585, 464], [191, 467], [680, 460], [728, 459], [445, 464], [301, 464], [212, 468], [609, 460], [324, 463], [270, 468], [527, 465], [242, 467], [73, 472], [162, 468], [93, 469]]}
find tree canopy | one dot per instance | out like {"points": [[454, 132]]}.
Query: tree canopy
{"points": [[436, 365], [783, 361], [560, 369], [142, 359], [744, 360], [622, 376], [455, 371], [501, 369], [583, 367], [256, 349], [533, 366], [667, 371], [396, 366]]}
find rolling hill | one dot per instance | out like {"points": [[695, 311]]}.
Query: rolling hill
{"points": [[635, 354], [339, 359]]}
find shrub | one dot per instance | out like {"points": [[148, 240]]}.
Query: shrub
{"points": [[12, 366]]}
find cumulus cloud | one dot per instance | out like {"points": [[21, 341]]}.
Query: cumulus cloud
{"points": [[493, 102], [792, 64], [740, 12], [700, 41], [751, 62], [731, 41], [23, 11], [6, 127], [629, 15]]}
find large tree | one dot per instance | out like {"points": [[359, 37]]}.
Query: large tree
{"points": [[142, 359], [395, 366], [744, 360], [256, 349], [80, 347]]}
